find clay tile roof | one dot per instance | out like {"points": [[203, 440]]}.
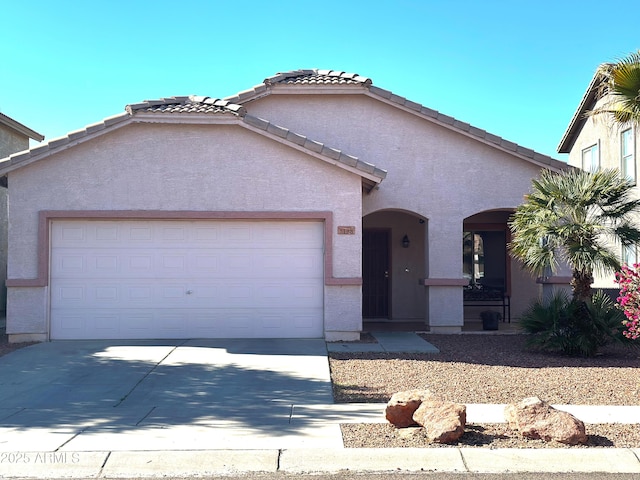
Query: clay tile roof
{"points": [[191, 104], [317, 77]]}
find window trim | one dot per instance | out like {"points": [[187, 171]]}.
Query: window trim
{"points": [[630, 155], [593, 147]]}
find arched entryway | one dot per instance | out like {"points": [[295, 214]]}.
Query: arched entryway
{"points": [[393, 262], [487, 266]]}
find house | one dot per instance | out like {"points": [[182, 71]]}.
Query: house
{"points": [[594, 143], [14, 137], [302, 207]]}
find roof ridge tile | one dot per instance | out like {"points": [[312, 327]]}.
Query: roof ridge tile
{"points": [[381, 92], [365, 166], [509, 145], [313, 145], [257, 122], [277, 130], [188, 104], [449, 120], [462, 125], [296, 138], [349, 159], [330, 152]]}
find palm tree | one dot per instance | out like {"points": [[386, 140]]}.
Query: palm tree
{"points": [[575, 216], [621, 81]]}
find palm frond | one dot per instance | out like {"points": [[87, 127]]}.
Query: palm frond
{"points": [[621, 82], [571, 217]]}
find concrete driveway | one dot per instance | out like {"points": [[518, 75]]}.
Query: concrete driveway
{"points": [[166, 395]]}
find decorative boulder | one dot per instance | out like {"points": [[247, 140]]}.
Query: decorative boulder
{"points": [[402, 405], [443, 421], [535, 418]]}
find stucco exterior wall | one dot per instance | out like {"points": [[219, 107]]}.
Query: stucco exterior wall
{"points": [[439, 174], [599, 131], [181, 167], [10, 142]]}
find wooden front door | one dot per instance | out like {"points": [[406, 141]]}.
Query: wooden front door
{"points": [[375, 273]]}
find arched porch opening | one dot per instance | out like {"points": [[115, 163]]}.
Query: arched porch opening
{"points": [[393, 262], [489, 269]]}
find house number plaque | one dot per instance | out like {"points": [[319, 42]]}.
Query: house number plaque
{"points": [[346, 230]]}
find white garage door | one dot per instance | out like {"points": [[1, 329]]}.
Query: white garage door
{"points": [[186, 279]]}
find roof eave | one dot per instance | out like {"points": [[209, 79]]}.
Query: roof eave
{"points": [[20, 128], [579, 119]]}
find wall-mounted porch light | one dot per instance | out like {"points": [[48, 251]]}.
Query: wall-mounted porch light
{"points": [[405, 242]]}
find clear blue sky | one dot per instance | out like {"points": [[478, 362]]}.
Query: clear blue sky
{"points": [[515, 68]]}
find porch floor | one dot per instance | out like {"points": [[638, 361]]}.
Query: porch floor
{"points": [[469, 327]]}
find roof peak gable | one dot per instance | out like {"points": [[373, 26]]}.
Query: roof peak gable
{"points": [[185, 106], [325, 80]]}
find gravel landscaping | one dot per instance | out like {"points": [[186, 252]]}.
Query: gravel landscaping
{"points": [[488, 369], [6, 347]]}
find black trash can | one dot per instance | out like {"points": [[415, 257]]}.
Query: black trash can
{"points": [[490, 320]]}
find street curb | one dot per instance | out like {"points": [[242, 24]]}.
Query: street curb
{"points": [[185, 463]]}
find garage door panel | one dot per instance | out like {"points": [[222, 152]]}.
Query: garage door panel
{"points": [[181, 279], [178, 323], [256, 292]]}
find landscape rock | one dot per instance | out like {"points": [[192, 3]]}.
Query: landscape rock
{"points": [[443, 421], [410, 433], [402, 405], [535, 418]]}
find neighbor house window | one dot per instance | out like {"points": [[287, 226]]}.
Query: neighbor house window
{"points": [[591, 158], [629, 255], [627, 155]]}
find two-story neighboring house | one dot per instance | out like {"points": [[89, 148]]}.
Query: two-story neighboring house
{"points": [[14, 137], [596, 143]]}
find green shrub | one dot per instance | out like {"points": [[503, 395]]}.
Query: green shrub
{"points": [[560, 324]]}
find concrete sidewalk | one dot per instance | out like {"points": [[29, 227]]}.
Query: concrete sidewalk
{"points": [[386, 342], [192, 463], [124, 454], [197, 463]]}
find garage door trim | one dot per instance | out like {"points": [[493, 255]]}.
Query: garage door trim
{"points": [[46, 216]]}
